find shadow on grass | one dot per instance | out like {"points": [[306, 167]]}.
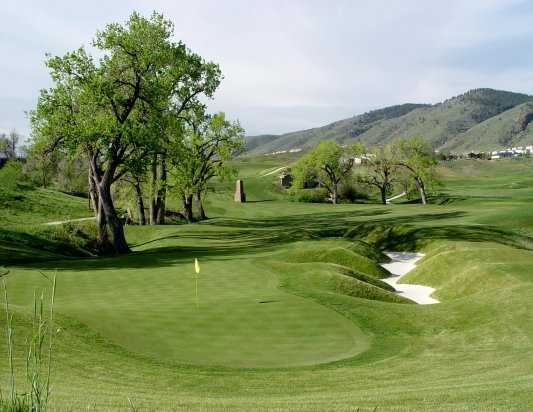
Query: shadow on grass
{"points": [[213, 239]]}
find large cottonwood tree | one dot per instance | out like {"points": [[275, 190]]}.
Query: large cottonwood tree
{"points": [[114, 109]]}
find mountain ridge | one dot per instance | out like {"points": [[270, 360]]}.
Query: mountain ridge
{"points": [[445, 125]]}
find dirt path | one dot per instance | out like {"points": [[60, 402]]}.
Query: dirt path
{"points": [[279, 169], [62, 222]]}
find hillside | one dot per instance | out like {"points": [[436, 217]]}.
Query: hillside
{"points": [[444, 125], [342, 131], [510, 128]]}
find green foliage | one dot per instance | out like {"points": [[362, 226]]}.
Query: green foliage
{"points": [[40, 242], [380, 169], [203, 151], [133, 320], [419, 161], [351, 192], [11, 177], [328, 164], [117, 109], [317, 195]]}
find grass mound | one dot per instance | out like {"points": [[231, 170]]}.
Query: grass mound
{"points": [[364, 249], [302, 278], [325, 252], [402, 237]]}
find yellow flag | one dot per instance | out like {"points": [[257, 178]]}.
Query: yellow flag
{"points": [[196, 266]]}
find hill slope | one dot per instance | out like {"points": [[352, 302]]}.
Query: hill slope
{"points": [[510, 128], [444, 125], [341, 131]]}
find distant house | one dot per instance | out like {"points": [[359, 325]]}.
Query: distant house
{"points": [[285, 179], [361, 160]]}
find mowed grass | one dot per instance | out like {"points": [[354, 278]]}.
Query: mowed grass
{"points": [[240, 319], [331, 337]]}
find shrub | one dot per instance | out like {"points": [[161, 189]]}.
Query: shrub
{"points": [[349, 193], [317, 195]]}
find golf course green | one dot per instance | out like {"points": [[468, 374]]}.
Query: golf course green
{"points": [[289, 311]]}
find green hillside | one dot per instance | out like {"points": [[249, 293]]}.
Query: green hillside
{"points": [[444, 125], [510, 128], [342, 131]]}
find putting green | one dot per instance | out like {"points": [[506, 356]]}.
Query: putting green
{"points": [[242, 319]]}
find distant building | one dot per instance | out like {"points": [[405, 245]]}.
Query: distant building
{"points": [[285, 179], [361, 160]]}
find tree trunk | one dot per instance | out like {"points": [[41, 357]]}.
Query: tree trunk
{"points": [[158, 190], [140, 203], [154, 209], [102, 239], [201, 211], [93, 193], [101, 227], [112, 219], [162, 190], [187, 208], [383, 191], [422, 190], [334, 195]]}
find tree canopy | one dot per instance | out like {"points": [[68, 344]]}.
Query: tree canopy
{"points": [[115, 109], [328, 163]]}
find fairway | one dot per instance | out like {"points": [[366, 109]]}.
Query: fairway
{"points": [[266, 206], [292, 313]]}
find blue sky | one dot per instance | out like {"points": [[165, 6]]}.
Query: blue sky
{"points": [[290, 65]]}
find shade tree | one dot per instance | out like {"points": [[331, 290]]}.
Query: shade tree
{"points": [[381, 169], [328, 164], [114, 109], [201, 152], [417, 157]]}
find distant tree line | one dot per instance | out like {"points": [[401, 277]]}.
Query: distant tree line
{"points": [[134, 120], [9, 143], [406, 164]]}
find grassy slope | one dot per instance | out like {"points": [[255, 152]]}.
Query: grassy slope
{"points": [[341, 131], [441, 122], [471, 352], [499, 131], [24, 209]]}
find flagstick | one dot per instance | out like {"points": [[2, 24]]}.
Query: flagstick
{"points": [[197, 270], [196, 285]]}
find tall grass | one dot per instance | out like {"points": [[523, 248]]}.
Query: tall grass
{"points": [[39, 356]]}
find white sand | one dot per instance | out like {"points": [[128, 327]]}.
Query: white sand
{"points": [[401, 264]]}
